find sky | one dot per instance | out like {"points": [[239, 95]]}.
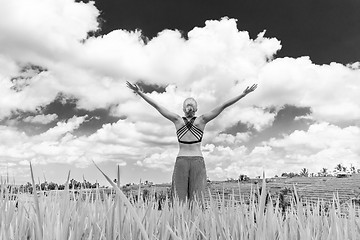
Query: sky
{"points": [[64, 101]]}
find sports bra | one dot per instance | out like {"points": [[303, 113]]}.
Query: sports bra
{"points": [[189, 126]]}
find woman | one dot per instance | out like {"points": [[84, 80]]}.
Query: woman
{"points": [[189, 176]]}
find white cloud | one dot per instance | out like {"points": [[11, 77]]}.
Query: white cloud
{"points": [[36, 30], [215, 63], [322, 145], [43, 119], [238, 139], [102, 64], [59, 145], [62, 128], [224, 162], [321, 136], [163, 160], [44, 33], [330, 90], [254, 117]]}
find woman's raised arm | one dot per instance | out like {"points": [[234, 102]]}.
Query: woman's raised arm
{"points": [[163, 111], [207, 117]]}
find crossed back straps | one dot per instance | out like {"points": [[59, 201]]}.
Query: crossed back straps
{"points": [[189, 127]]}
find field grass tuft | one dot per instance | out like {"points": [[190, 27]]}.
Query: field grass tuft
{"points": [[65, 215]]}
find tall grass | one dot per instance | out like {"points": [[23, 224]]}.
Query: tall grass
{"points": [[57, 216]]}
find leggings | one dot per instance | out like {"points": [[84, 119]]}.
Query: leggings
{"points": [[189, 178]]}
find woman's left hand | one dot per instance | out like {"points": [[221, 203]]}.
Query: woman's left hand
{"points": [[250, 89]]}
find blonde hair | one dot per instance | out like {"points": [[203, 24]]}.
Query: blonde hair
{"points": [[190, 99]]}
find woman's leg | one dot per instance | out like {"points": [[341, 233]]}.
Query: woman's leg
{"points": [[197, 181], [180, 179]]}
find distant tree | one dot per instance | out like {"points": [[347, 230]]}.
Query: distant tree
{"points": [[44, 186], [324, 172], [339, 167], [289, 175], [27, 187], [294, 174], [285, 198], [243, 177], [284, 174], [304, 172], [52, 186], [146, 194], [352, 169], [231, 180], [87, 184]]}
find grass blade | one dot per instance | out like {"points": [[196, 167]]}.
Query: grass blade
{"points": [[127, 203], [37, 207]]}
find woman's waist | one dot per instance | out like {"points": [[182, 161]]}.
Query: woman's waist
{"points": [[190, 150]]}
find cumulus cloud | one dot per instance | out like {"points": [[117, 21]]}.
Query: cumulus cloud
{"points": [[163, 160], [63, 127], [43, 33], [329, 90], [321, 136], [215, 62], [60, 45], [59, 145], [322, 145], [238, 139], [43, 119], [40, 31]]}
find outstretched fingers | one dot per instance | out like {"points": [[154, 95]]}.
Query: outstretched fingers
{"points": [[250, 89], [129, 85], [132, 86], [253, 87]]}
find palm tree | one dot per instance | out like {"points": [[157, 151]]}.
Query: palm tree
{"points": [[324, 172], [339, 167], [304, 172]]}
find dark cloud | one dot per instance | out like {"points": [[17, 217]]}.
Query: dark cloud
{"points": [[26, 73], [65, 108], [149, 88], [284, 123], [239, 127]]}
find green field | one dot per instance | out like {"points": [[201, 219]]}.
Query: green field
{"points": [[308, 188], [233, 211]]}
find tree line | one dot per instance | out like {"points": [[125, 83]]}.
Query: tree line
{"points": [[48, 186], [324, 172]]}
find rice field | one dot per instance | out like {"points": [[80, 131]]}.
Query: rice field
{"points": [[115, 216]]}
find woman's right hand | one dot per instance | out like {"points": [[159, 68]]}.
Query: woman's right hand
{"points": [[133, 87]]}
